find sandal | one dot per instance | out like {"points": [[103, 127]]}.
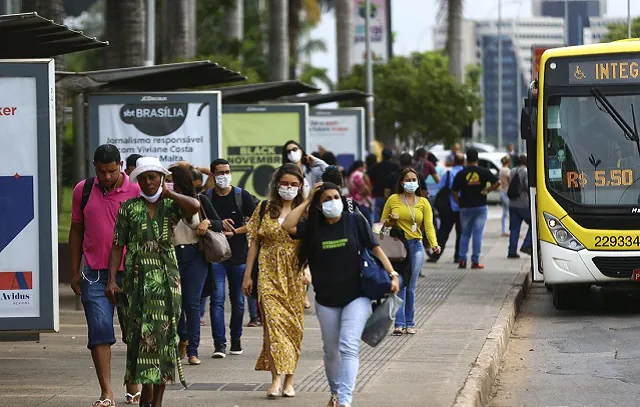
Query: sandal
{"points": [[104, 403], [397, 332], [133, 398], [410, 331]]}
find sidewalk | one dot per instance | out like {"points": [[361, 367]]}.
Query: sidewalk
{"points": [[456, 310]]}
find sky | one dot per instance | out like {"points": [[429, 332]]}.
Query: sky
{"points": [[413, 22]]}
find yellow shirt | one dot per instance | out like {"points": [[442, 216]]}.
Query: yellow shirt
{"points": [[422, 213]]}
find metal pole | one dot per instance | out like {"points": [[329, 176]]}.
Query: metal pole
{"points": [[151, 33], [78, 136], [9, 6], [566, 22], [628, 18], [499, 74], [369, 62]]}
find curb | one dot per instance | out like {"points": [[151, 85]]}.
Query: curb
{"points": [[478, 386]]}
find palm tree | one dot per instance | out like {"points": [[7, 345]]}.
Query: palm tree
{"points": [[453, 11], [178, 18], [344, 36], [234, 25], [294, 28], [125, 29], [278, 40]]}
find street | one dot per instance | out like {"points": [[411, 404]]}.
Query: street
{"points": [[582, 357]]}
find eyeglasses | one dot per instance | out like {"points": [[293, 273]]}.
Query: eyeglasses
{"points": [[289, 184], [292, 150]]}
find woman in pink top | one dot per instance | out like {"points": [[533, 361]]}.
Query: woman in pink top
{"points": [[360, 188]]}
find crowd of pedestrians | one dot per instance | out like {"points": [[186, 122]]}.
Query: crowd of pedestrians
{"points": [[141, 230]]}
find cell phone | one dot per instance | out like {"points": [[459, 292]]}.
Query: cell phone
{"points": [[169, 186]]}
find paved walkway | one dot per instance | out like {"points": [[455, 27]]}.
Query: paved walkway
{"points": [[456, 310]]}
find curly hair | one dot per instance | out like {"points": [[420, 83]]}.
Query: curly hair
{"points": [[275, 201]]}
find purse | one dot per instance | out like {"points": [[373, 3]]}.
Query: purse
{"points": [[393, 247], [214, 245]]}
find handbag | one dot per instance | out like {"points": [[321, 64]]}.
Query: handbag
{"points": [[379, 323], [256, 267], [393, 247], [214, 245]]}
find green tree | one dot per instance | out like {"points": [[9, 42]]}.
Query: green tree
{"points": [[417, 99], [619, 31]]}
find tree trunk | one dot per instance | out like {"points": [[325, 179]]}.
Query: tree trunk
{"points": [[177, 22], [54, 10], [454, 38], [344, 36], [278, 40], [294, 25], [234, 26], [125, 31]]}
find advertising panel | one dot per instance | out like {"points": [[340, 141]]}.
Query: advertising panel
{"points": [[28, 196], [378, 28], [171, 126], [253, 138], [340, 131]]}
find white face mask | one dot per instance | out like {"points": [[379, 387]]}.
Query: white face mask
{"points": [[333, 208], [288, 193], [153, 198], [223, 181], [295, 156]]}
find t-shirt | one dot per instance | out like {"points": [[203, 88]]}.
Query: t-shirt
{"points": [[335, 262], [522, 201], [469, 183], [225, 206], [421, 212], [378, 174]]}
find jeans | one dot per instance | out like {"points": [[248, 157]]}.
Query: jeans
{"points": [[98, 310], [235, 275], [405, 318], [253, 308], [472, 221], [203, 306], [447, 223], [341, 330], [504, 201], [517, 216], [378, 207], [193, 274]]}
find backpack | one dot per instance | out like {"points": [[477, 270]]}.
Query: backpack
{"points": [[442, 202], [86, 192], [237, 197], [515, 186]]}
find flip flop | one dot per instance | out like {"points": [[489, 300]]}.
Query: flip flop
{"points": [[103, 403], [133, 398]]}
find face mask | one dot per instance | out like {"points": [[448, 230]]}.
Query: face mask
{"points": [[410, 187], [288, 193], [333, 208], [153, 198], [295, 156], [223, 181]]}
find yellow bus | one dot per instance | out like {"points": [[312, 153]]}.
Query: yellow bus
{"points": [[580, 121]]}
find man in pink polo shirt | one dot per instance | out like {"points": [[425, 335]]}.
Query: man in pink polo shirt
{"points": [[93, 217]]}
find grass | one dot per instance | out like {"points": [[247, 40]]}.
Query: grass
{"points": [[64, 217]]}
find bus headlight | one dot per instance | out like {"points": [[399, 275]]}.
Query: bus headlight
{"points": [[561, 235]]}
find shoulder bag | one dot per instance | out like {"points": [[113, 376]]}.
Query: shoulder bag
{"points": [[214, 245], [391, 245]]}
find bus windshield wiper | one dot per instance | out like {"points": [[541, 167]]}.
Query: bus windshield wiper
{"points": [[630, 133]]}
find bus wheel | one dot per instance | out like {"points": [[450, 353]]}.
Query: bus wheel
{"points": [[562, 296]]}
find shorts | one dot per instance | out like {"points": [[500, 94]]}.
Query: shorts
{"points": [[98, 310]]}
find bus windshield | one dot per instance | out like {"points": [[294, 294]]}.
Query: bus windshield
{"points": [[590, 160]]}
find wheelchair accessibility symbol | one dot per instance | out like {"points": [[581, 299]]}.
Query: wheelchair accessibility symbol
{"points": [[579, 74]]}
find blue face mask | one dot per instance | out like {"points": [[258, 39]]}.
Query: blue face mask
{"points": [[411, 187]]}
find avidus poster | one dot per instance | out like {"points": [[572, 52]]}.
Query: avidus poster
{"points": [[171, 126], [28, 212], [340, 131], [253, 138]]}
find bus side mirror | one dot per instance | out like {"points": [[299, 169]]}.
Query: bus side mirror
{"points": [[528, 123]]}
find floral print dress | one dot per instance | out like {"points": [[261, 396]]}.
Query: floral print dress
{"points": [[151, 286], [281, 294]]}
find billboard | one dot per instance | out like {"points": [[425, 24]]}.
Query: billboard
{"points": [[171, 126], [378, 28], [253, 138], [340, 131], [28, 197]]}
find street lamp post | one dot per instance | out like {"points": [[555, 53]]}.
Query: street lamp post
{"points": [[370, 105], [499, 74], [628, 18], [151, 33]]}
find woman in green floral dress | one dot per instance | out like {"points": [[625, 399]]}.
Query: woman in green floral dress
{"points": [[150, 297]]}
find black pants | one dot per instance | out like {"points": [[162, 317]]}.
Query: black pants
{"points": [[447, 222]]}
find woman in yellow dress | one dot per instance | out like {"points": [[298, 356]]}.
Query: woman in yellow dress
{"points": [[280, 284]]}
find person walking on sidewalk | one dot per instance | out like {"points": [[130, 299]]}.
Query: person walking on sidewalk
{"points": [[94, 209], [330, 242], [470, 193], [280, 283], [310, 166], [504, 176], [449, 217], [409, 211], [150, 296], [235, 206], [519, 210], [192, 264], [379, 175]]}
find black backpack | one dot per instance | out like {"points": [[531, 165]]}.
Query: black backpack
{"points": [[442, 203], [86, 192], [515, 186]]}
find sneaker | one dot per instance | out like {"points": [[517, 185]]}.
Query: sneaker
{"points": [[432, 260], [513, 256], [477, 265], [526, 250], [236, 347], [462, 264], [219, 352], [253, 322]]}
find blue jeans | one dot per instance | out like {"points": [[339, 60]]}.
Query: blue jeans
{"points": [[504, 201], [193, 274], [517, 216], [235, 274], [405, 318], [253, 308], [341, 330], [203, 306], [378, 206], [472, 222], [98, 310]]}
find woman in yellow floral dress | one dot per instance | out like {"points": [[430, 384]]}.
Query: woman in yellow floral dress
{"points": [[280, 282]]}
